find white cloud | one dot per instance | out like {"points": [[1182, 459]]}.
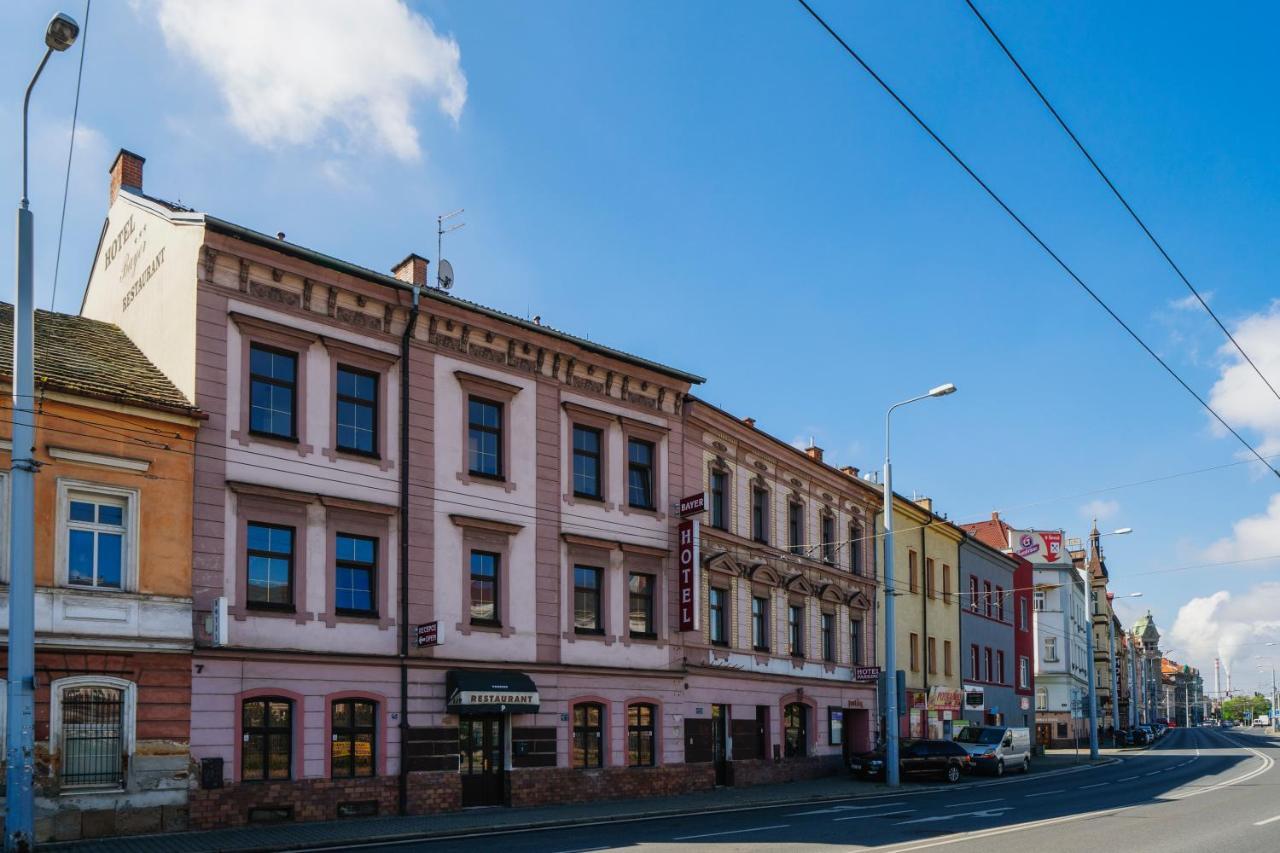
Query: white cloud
{"points": [[294, 71], [1251, 538], [1227, 627], [1100, 509], [1189, 302], [1239, 395]]}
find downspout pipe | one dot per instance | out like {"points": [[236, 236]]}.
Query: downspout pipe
{"points": [[405, 340]]}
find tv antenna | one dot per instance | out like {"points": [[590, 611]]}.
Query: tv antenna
{"points": [[444, 269]]}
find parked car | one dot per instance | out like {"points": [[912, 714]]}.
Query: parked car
{"points": [[944, 758], [1145, 734], [1126, 737], [995, 749]]}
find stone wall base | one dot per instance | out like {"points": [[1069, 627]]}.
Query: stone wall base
{"points": [[763, 771], [557, 785]]}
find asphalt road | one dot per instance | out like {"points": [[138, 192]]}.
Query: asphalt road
{"points": [[1195, 790]]}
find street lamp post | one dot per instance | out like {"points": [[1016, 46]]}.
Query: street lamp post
{"points": [[890, 640], [1093, 676], [20, 723]]}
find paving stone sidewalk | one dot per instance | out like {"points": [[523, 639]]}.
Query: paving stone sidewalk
{"points": [[337, 833]]}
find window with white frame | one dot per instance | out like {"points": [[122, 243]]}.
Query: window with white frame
{"points": [[1042, 698], [1051, 648], [92, 720], [1039, 599], [97, 536]]}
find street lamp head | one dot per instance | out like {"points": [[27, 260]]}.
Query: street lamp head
{"points": [[62, 32], [942, 390], [1123, 531]]}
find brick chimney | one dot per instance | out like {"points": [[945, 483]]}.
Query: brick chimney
{"points": [[126, 171], [850, 471], [814, 452], [995, 516], [749, 421], [412, 270], [927, 503]]}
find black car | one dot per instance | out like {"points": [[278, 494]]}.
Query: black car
{"points": [[917, 758]]}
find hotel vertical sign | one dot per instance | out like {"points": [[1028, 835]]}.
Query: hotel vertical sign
{"points": [[687, 534]]}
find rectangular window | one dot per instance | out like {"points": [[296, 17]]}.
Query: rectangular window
{"points": [[931, 648], [915, 652], [913, 573], [588, 734], [946, 584], [973, 593], [270, 566], [641, 731], [795, 527], [855, 549], [855, 640], [930, 581], [986, 665], [484, 588], [828, 637], [999, 667], [946, 657], [986, 598], [357, 408], [835, 726], [1039, 599], [640, 473], [355, 569], [641, 601], [1000, 603], [586, 600], [760, 624], [760, 515], [973, 663], [92, 736], [718, 621], [96, 537], [828, 540], [1042, 699], [353, 726], [795, 630], [484, 438], [586, 462], [266, 728], [1022, 612], [273, 392], [1051, 649], [719, 491], [1024, 673]]}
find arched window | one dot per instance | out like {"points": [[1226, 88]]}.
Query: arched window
{"points": [[353, 738], [641, 735], [795, 730], [1042, 698], [266, 751], [93, 719], [588, 735]]}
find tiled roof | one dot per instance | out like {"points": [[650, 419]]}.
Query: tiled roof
{"points": [[77, 355], [994, 533]]}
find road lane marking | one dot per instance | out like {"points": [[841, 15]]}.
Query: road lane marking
{"points": [[1152, 773], [1127, 779], [1267, 821], [1046, 793], [835, 809], [998, 811], [583, 850], [974, 803], [885, 814], [731, 832], [1097, 785]]}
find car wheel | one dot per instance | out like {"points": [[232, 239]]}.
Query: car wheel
{"points": [[1026, 764], [953, 773], [999, 771]]}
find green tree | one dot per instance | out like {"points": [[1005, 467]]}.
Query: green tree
{"points": [[1236, 708]]}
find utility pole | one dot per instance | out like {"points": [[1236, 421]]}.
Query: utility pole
{"points": [[1093, 677], [19, 816]]}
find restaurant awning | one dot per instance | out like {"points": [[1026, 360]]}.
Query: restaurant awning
{"points": [[489, 691]]}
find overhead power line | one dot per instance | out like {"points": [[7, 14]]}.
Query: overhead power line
{"points": [[1030, 232], [1119, 197], [71, 147]]}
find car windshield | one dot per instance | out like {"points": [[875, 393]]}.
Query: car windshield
{"points": [[977, 734]]}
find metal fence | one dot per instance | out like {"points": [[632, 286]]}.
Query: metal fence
{"points": [[92, 736]]}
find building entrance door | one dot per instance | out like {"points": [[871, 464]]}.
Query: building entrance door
{"points": [[481, 759], [720, 742], [1044, 734]]}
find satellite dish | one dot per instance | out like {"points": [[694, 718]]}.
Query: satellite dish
{"points": [[444, 275]]}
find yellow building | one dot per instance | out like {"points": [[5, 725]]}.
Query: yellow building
{"points": [[927, 616]]}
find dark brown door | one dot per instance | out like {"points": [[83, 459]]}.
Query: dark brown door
{"points": [[762, 731], [720, 741], [481, 760]]}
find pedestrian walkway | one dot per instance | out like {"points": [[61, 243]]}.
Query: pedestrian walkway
{"points": [[339, 833]]}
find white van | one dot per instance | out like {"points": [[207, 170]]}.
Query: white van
{"points": [[996, 749]]}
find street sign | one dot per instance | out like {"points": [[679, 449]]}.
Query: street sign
{"points": [[693, 504], [429, 634], [866, 673], [688, 568]]}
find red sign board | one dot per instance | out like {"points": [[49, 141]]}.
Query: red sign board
{"points": [[693, 504], [866, 673], [429, 634], [687, 534]]}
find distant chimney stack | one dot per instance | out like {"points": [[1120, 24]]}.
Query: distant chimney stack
{"points": [[995, 515], [412, 270], [814, 452], [126, 171], [751, 422], [849, 470], [927, 503]]}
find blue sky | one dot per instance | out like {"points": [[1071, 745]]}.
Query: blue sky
{"points": [[717, 187]]}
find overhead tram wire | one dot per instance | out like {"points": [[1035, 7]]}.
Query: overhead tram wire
{"points": [[1119, 197], [71, 147], [999, 200]]}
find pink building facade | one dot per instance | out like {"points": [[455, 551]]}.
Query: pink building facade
{"points": [[434, 545]]}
